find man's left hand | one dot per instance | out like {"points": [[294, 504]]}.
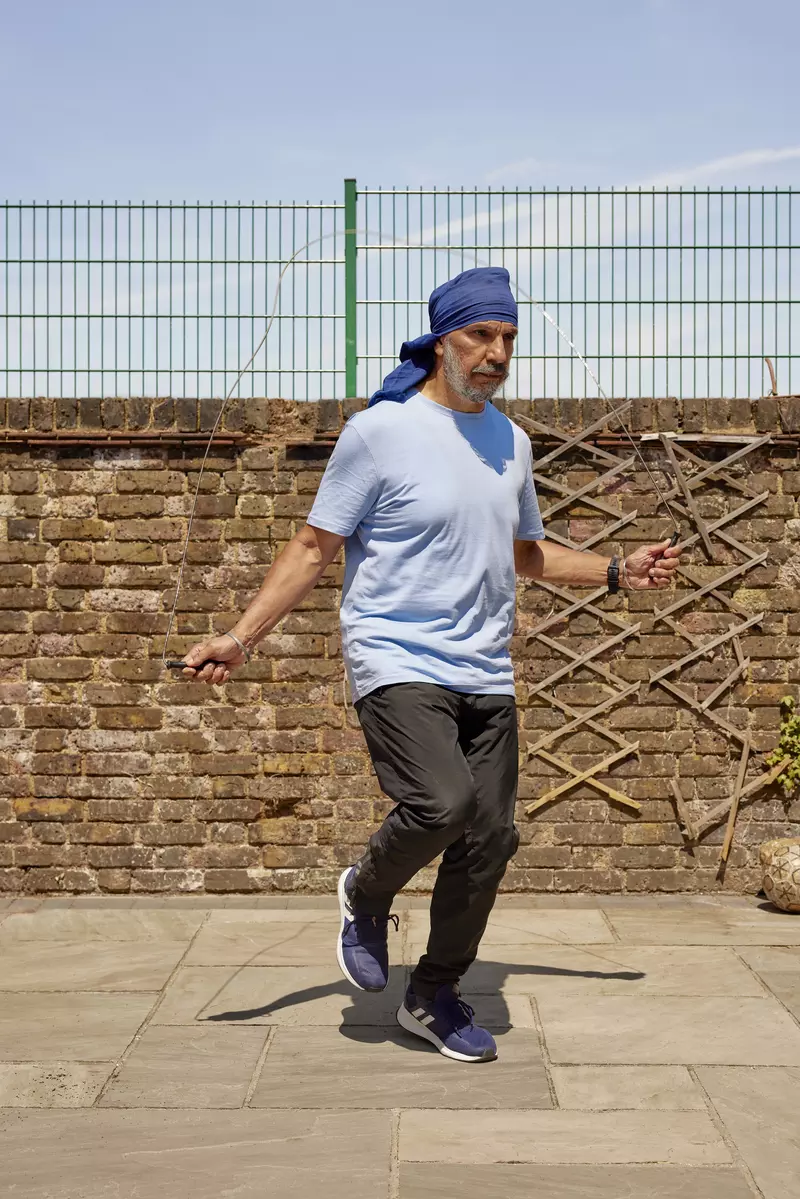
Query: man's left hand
{"points": [[653, 566]]}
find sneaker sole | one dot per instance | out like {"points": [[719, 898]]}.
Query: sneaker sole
{"points": [[343, 918], [412, 1025]]}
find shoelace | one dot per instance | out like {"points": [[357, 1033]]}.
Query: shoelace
{"points": [[378, 922], [461, 1008]]}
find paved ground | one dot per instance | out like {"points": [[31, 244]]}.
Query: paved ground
{"points": [[196, 1048]]}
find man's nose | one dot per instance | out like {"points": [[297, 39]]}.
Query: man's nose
{"points": [[496, 351]]}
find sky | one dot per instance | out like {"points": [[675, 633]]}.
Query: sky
{"points": [[247, 100]]}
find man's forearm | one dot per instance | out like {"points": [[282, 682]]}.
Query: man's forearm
{"points": [[295, 572], [558, 564]]}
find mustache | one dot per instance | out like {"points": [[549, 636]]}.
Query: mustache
{"points": [[494, 371]]}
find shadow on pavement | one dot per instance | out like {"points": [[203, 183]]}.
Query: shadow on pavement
{"points": [[358, 1020]]}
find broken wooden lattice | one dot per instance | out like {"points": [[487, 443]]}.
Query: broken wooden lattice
{"points": [[728, 559]]}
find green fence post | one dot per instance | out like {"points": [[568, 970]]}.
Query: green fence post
{"points": [[350, 317]]}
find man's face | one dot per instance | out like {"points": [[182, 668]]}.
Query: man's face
{"points": [[475, 360]]}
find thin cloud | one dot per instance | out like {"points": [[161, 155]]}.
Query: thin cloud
{"points": [[513, 170], [724, 166]]}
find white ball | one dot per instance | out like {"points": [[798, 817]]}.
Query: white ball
{"points": [[780, 861]]}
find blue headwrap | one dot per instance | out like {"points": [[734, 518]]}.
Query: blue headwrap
{"points": [[481, 294]]}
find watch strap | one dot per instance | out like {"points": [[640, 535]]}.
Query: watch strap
{"points": [[613, 575]]}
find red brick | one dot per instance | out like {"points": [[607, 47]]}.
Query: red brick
{"points": [[280, 832], [56, 879], [125, 506], [58, 669], [115, 882], [152, 482], [129, 718], [225, 764], [235, 808], [48, 809], [173, 834], [137, 811], [229, 880]]}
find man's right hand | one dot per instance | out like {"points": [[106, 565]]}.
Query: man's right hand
{"points": [[221, 650]]}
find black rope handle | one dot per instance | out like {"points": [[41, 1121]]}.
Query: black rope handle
{"points": [[177, 664]]}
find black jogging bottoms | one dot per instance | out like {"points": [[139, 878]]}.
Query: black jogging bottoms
{"points": [[449, 760]]}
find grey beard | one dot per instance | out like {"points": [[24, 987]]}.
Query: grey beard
{"points": [[458, 380]]}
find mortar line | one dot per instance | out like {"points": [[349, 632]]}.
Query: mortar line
{"points": [[394, 1153], [722, 1129], [259, 1066], [610, 925], [548, 1065], [143, 1027]]}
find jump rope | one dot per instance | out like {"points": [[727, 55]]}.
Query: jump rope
{"points": [[177, 663]]}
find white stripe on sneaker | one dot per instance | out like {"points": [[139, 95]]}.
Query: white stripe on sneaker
{"points": [[407, 1020]]}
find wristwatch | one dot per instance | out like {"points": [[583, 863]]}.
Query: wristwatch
{"points": [[613, 575]]}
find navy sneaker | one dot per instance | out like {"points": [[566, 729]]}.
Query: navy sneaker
{"points": [[362, 949], [446, 1021]]}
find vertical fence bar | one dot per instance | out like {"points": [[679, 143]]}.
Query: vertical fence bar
{"points": [[350, 294]]}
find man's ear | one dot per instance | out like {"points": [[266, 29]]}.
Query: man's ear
{"points": [[438, 348]]}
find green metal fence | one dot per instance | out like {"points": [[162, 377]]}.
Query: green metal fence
{"points": [[665, 291]]}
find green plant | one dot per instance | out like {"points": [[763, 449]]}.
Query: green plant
{"points": [[788, 746]]}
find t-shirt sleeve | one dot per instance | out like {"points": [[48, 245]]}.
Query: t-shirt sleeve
{"points": [[530, 520], [349, 486]]}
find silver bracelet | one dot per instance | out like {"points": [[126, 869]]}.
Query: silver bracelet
{"points": [[242, 646], [624, 565]]}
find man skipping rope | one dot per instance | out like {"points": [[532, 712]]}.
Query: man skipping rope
{"points": [[431, 492]]}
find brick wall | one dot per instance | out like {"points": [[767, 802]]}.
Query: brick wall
{"points": [[116, 778]]}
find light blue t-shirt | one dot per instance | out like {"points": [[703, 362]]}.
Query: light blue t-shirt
{"points": [[430, 501]]}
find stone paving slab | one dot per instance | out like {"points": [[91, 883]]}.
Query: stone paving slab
{"points": [[77, 1026], [612, 970], [377, 1068], [657, 1030], [706, 925], [207, 1065], [569, 1182], [761, 1111], [281, 938], [52, 1084], [518, 926], [614, 1088], [561, 1138], [101, 924], [104, 1154], [34, 965]]}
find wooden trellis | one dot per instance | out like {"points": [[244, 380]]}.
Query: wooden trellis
{"points": [[616, 689], [728, 559], [692, 473]]}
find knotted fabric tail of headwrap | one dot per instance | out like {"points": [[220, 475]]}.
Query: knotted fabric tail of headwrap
{"points": [[481, 294]]}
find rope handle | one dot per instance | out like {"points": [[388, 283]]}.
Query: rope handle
{"points": [[177, 664]]}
